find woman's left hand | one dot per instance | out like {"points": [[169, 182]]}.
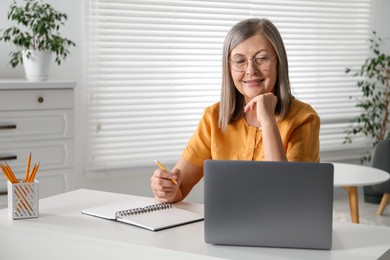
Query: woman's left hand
{"points": [[264, 105]]}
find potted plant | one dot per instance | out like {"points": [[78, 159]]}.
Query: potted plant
{"points": [[36, 35], [373, 121]]}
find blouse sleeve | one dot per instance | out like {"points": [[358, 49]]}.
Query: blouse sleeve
{"points": [[198, 148], [303, 143]]}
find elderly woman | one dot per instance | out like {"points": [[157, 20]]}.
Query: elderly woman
{"points": [[257, 117]]}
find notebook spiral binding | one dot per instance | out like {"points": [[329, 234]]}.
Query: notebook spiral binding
{"points": [[146, 209]]}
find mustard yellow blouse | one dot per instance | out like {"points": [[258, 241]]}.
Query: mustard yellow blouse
{"points": [[299, 131]]}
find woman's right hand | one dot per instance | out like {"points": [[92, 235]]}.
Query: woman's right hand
{"points": [[163, 186], [185, 174]]}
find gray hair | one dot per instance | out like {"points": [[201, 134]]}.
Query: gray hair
{"points": [[232, 102]]}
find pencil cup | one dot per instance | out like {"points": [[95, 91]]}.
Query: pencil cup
{"points": [[23, 200]]}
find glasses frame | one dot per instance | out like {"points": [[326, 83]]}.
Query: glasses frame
{"points": [[256, 64]]}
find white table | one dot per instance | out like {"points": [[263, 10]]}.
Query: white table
{"points": [[62, 232], [352, 176]]}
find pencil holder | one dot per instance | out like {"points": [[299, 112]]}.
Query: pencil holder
{"points": [[23, 200]]}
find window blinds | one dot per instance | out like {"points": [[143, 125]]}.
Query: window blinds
{"points": [[153, 66]]}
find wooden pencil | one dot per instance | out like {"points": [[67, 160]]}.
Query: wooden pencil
{"points": [[33, 173], [28, 167], [11, 173], [5, 172], [8, 172]]}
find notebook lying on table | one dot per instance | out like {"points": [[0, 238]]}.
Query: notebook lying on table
{"points": [[273, 204], [145, 213]]}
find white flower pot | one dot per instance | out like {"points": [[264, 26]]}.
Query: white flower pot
{"points": [[37, 65]]}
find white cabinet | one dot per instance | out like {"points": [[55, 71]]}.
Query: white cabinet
{"points": [[37, 117]]}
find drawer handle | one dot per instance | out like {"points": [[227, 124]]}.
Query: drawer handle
{"points": [[8, 158], [7, 126], [40, 100]]}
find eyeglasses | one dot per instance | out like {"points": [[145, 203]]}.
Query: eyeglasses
{"points": [[240, 64]]}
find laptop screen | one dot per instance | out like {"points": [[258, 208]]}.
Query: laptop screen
{"points": [[277, 204]]}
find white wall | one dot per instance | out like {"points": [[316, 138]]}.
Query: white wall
{"points": [[72, 69], [382, 21]]}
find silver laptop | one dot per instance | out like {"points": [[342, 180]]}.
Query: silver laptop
{"points": [[271, 204]]}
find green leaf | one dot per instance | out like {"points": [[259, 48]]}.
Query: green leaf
{"points": [[374, 77]]}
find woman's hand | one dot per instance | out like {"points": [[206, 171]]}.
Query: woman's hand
{"points": [[264, 105], [164, 189], [185, 174]]}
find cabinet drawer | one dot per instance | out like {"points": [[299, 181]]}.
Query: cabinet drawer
{"points": [[36, 99], [55, 154], [36, 125]]}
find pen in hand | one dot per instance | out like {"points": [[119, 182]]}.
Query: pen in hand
{"points": [[164, 169]]}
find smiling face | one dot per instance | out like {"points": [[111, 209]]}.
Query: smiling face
{"points": [[254, 80]]}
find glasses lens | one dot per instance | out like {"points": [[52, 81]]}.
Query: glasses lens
{"points": [[241, 64]]}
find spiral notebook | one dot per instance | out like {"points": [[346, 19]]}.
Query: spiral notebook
{"points": [[153, 217]]}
